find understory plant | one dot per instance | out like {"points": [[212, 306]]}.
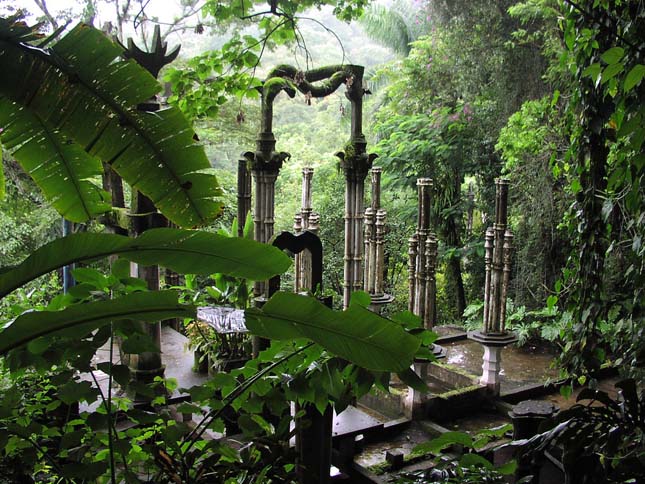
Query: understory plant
{"points": [[599, 441], [459, 460], [530, 326]]}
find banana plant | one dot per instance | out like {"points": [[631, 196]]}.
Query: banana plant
{"points": [[68, 106]]}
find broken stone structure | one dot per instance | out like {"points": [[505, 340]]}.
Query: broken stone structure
{"points": [[422, 260], [374, 243], [265, 162], [498, 245]]}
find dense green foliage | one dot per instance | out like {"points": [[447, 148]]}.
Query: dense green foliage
{"points": [[546, 93]]}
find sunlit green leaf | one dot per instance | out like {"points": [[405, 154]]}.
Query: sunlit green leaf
{"points": [[184, 251], [634, 77], [142, 306], [355, 334]]}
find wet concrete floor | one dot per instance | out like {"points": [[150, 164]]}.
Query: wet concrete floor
{"points": [[520, 366]]}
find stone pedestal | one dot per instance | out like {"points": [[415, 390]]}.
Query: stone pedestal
{"points": [[379, 302], [493, 344]]}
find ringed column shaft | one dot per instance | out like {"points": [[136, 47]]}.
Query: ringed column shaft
{"points": [[243, 195], [413, 247], [303, 259], [423, 231], [498, 245], [297, 229], [355, 163], [374, 231], [499, 229], [430, 314], [368, 266], [488, 258], [379, 259]]}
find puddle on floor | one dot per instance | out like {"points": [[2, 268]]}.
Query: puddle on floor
{"points": [[477, 422], [520, 366]]}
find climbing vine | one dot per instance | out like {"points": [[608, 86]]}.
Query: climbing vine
{"points": [[605, 42]]}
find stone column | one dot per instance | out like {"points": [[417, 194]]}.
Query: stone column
{"points": [[265, 164], [379, 259], [413, 248], [498, 244], [430, 314], [302, 261], [355, 163], [375, 229], [297, 269], [148, 365], [424, 187], [243, 195], [368, 266]]}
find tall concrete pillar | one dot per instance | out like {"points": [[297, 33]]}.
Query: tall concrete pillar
{"points": [[145, 367], [498, 247], [355, 163], [304, 220], [422, 255]]}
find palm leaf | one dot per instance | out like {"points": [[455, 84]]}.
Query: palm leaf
{"points": [[183, 251], [61, 169], [141, 306], [356, 334], [387, 27], [82, 89]]}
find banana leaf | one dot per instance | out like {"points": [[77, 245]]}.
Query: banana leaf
{"points": [[83, 318], [356, 334], [183, 251], [60, 167], [82, 89]]}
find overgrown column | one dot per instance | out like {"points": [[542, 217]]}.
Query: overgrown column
{"points": [[148, 365], [498, 250], [374, 231], [355, 163], [422, 254]]}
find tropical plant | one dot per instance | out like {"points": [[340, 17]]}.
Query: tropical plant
{"points": [[74, 104], [86, 448], [601, 441], [468, 466], [605, 274]]}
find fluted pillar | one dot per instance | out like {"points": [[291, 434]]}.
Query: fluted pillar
{"points": [[302, 281], [243, 195], [355, 163], [422, 257], [498, 248]]}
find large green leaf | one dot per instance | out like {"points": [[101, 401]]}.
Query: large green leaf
{"points": [[184, 251], [142, 306], [81, 88], [59, 166], [356, 334]]}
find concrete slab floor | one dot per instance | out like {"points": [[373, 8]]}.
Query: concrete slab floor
{"points": [[176, 356]]}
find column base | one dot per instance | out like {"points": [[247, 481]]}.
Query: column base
{"points": [[493, 344], [379, 301]]}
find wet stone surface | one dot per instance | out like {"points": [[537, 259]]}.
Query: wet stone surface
{"points": [[520, 366]]}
